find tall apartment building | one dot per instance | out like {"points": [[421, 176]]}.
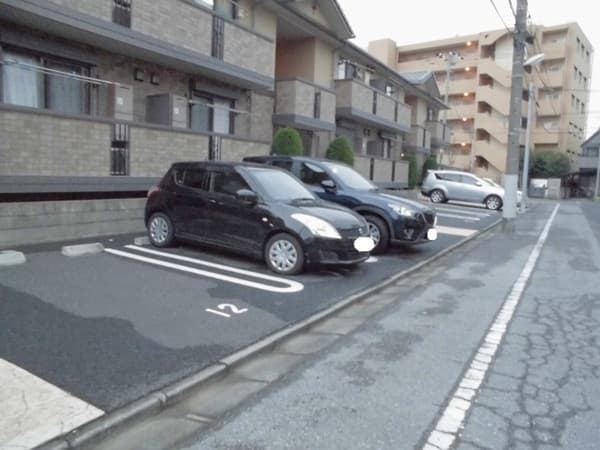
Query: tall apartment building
{"points": [[479, 91]]}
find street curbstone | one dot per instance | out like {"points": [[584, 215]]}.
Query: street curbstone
{"points": [[11, 258], [142, 240], [82, 249], [174, 392], [100, 427]]}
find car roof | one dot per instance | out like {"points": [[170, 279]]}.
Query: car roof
{"points": [[292, 158], [232, 164]]}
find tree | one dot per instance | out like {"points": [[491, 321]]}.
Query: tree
{"points": [[430, 164], [550, 164], [340, 150], [413, 170], [287, 141]]}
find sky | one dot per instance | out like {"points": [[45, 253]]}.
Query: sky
{"points": [[410, 22]]}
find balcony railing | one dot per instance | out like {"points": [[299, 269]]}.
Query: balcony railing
{"points": [[359, 101], [436, 129], [308, 104]]}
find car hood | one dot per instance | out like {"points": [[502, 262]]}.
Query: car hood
{"points": [[384, 198], [338, 216]]}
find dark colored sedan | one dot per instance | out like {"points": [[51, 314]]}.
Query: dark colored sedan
{"points": [[255, 210], [391, 219]]}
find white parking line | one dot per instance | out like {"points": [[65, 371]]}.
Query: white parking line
{"points": [[455, 216], [464, 232], [289, 286], [34, 411], [468, 212]]}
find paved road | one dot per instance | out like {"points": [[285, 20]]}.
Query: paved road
{"points": [[389, 384], [108, 328]]}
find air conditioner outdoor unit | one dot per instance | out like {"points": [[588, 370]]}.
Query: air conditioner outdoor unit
{"points": [[120, 102], [167, 109]]}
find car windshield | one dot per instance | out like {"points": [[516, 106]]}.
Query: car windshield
{"points": [[280, 186], [350, 177]]}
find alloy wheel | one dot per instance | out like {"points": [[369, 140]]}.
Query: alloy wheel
{"points": [[283, 255], [159, 230], [374, 233]]}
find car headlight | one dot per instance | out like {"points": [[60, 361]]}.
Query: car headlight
{"points": [[402, 210], [317, 226]]}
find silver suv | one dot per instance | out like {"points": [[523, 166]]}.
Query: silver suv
{"points": [[443, 185]]}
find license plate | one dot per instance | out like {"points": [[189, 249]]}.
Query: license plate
{"points": [[432, 234], [364, 244]]}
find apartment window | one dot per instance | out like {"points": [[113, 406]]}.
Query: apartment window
{"points": [[348, 70], [212, 114], [374, 102], [587, 54], [389, 89], [396, 107], [122, 12], [584, 82], [582, 107], [572, 100], [575, 71], [580, 78], [218, 37], [317, 106], [44, 82]]}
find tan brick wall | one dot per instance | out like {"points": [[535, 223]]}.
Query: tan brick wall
{"points": [[385, 107], [153, 151], [234, 150], [37, 144], [175, 22], [102, 9], [328, 106], [261, 117], [248, 50]]}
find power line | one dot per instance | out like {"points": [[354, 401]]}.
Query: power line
{"points": [[500, 15], [512, 8]]}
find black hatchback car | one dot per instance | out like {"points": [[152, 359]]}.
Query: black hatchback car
{"points": [[255, 210], [391, 219]]}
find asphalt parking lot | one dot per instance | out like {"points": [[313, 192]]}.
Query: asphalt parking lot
{"points": [[113, 326]]}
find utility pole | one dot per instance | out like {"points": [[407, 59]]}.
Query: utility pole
{"points": [[511, 176], [597, 177]]}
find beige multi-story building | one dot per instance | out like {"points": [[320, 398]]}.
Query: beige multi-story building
{"points": [[479, 91]]}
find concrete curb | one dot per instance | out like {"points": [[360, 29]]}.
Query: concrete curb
{"points": [[143, 240], [156, 401], [11, 258], [82, 249]]}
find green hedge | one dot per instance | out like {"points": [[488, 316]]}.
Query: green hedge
{"points": [[413, 170], [287, 142], [340, 150]]}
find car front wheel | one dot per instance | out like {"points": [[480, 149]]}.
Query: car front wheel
{"points": [[437, 196], [160, 230], [284, 254], [378, 231], [493, 202]]}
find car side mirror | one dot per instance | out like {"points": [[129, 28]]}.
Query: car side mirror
{"points": [[328, 185], [247, 196]]}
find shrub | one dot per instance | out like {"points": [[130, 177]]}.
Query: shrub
{"points": [[413, 170], [550, 164], [340, 149], [287, 142], [430, 164]]}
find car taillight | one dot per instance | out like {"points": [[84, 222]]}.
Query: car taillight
{"points": [[153, 190]]}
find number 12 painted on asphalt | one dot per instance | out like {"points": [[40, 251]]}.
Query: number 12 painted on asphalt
{"points": [[234, 310]]}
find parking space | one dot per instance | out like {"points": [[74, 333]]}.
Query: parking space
{"points": [[110, 327]]}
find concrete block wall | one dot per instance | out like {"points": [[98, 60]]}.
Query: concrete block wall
{"points": [[25, 223], [382, 170], [261, 117], [40, 144]]}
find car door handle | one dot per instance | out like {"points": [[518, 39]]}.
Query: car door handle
{"points": [[214, 202]]}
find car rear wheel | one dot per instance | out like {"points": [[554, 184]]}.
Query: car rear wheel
{"points": [[378, 231], [160, 230], [284, 254], [437, 196], [493, 202]]}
